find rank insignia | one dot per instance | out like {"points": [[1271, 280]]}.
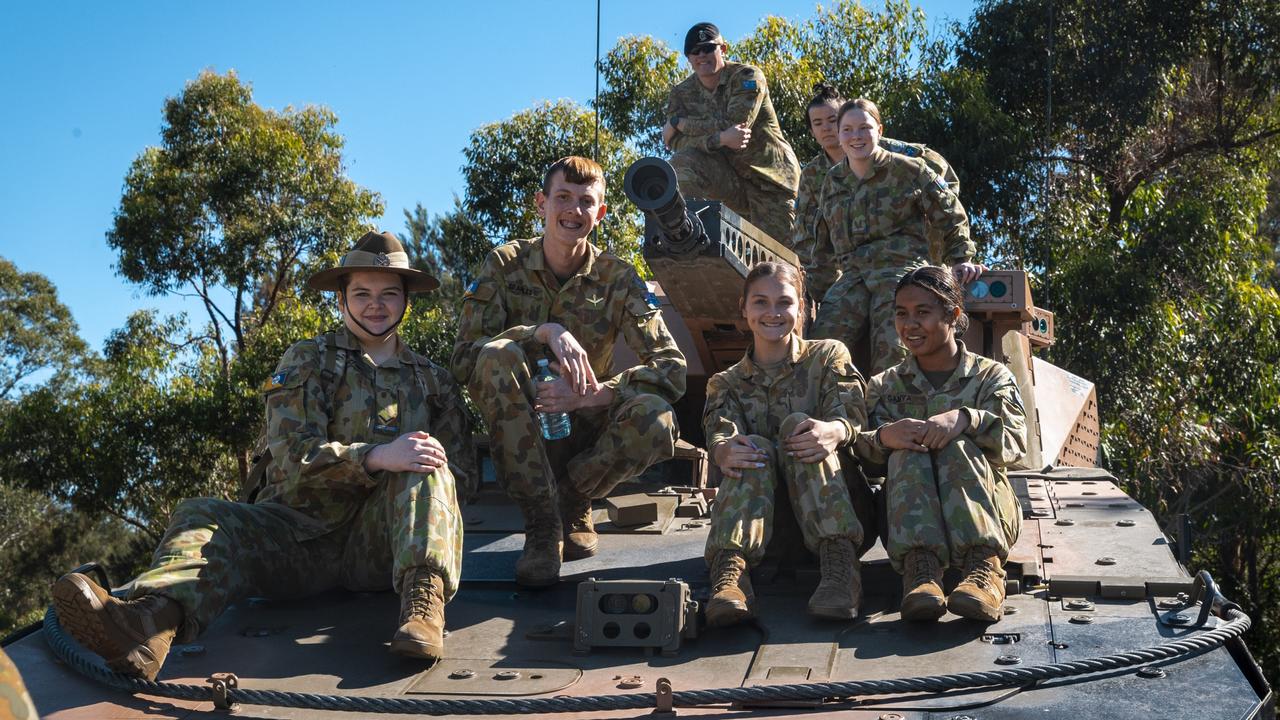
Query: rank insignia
{"points": [[595, 301]]}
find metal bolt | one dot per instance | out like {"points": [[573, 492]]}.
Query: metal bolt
{"points": [[1183, 598], [507, 675], [1152, 672], [1010, 610], [1040, 513], [1079, 604], [1081, 619], [462, 674], [1065, 521], [891, 716], [630, 682], [1106, 561], [1178, 619], [1169, 604], [962, 717], [1008, 660], [1126, 523]]}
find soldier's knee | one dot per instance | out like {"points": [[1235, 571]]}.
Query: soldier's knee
{"points": [[650, 414], [196, 509], [791, 421], [500, 353], [762, 442]]}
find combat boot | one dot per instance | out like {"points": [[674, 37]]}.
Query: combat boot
{"points": [[132, 636], [840, 590], [731, 594], [580, 539], [980, 594], [539, 564], [922, 597], [421, 631]]}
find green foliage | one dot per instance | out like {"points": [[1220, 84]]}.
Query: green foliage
{"points": [[41, 539], [636, 76], [36, 330], [236, 198], [450, 246], [506, 161]]}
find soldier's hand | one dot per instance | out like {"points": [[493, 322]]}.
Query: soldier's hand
{"points": [[668, 133], [736, 137], [943, 428], [904, 434], [967, 272], [575, 365], [736, 454], [416, 451], [813, 440]]}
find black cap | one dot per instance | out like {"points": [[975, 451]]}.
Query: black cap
{"points": [[703, 32]]}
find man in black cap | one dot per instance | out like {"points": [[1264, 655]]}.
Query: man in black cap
{"points": [[726, 140]]}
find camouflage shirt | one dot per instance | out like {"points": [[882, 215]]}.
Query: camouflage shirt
{"points": [[883, 221], [741, 97], [820, 266], [515, 292], [323, 422], [818, 379], [984, 389]]}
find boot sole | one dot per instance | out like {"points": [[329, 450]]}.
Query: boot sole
{"points": [[972, 608], [416, 649], [922, 610], [725, 614], [537, 582], [833, 613], [82, 615], [579, 552]]}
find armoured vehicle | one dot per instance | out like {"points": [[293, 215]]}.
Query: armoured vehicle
{"points": [[1102, 618]]}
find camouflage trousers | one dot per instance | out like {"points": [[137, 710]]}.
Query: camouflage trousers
{"points": [[14, 701], [710, 176], [216, 552], [743, 518], [946, 502], [605, 446], [861, 302]]}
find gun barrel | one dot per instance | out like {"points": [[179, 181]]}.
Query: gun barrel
{"points": [[651, 184]]}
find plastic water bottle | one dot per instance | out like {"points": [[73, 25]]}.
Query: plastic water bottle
{"points": [[555, 425]]}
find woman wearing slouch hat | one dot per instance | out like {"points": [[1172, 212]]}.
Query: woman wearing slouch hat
{"points": [[364, 443]]}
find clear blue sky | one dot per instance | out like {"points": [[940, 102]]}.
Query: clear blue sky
{"points": [[84, 83]]}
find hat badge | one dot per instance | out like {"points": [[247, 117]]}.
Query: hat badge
{"points": [[704, 35], [382, 260]]}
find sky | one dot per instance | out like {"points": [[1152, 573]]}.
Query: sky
{"points": [[84, 84]]}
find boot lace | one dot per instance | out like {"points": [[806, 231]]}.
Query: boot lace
{"points": [[422, 600], [837, 560], [922, 571], [980, 571], [727, 573]]}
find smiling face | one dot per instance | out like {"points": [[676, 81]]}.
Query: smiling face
{"points": [[772, 309], [376, 299], [707, 60], [823, 125], [571, 210], [923, 325], [859, 134]]}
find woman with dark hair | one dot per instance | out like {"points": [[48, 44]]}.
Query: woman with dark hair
{"points": [[819, 263], [947, 422], [877, 210], [778, 416]]}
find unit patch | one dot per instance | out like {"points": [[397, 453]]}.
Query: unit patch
{"points": [[275, 382]]}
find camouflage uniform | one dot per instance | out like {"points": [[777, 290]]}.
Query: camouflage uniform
{"points": [[820, 266], [757, 182], [322, 520], [950, 500], [817, 381], [877, 230], [14, 701], [515, 292]]}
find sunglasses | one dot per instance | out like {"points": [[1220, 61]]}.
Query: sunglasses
{"points": [[703, 49]]}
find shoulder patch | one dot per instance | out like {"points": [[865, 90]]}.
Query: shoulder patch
{"points": [[652, 300], [749, 85], [275, 382]]}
